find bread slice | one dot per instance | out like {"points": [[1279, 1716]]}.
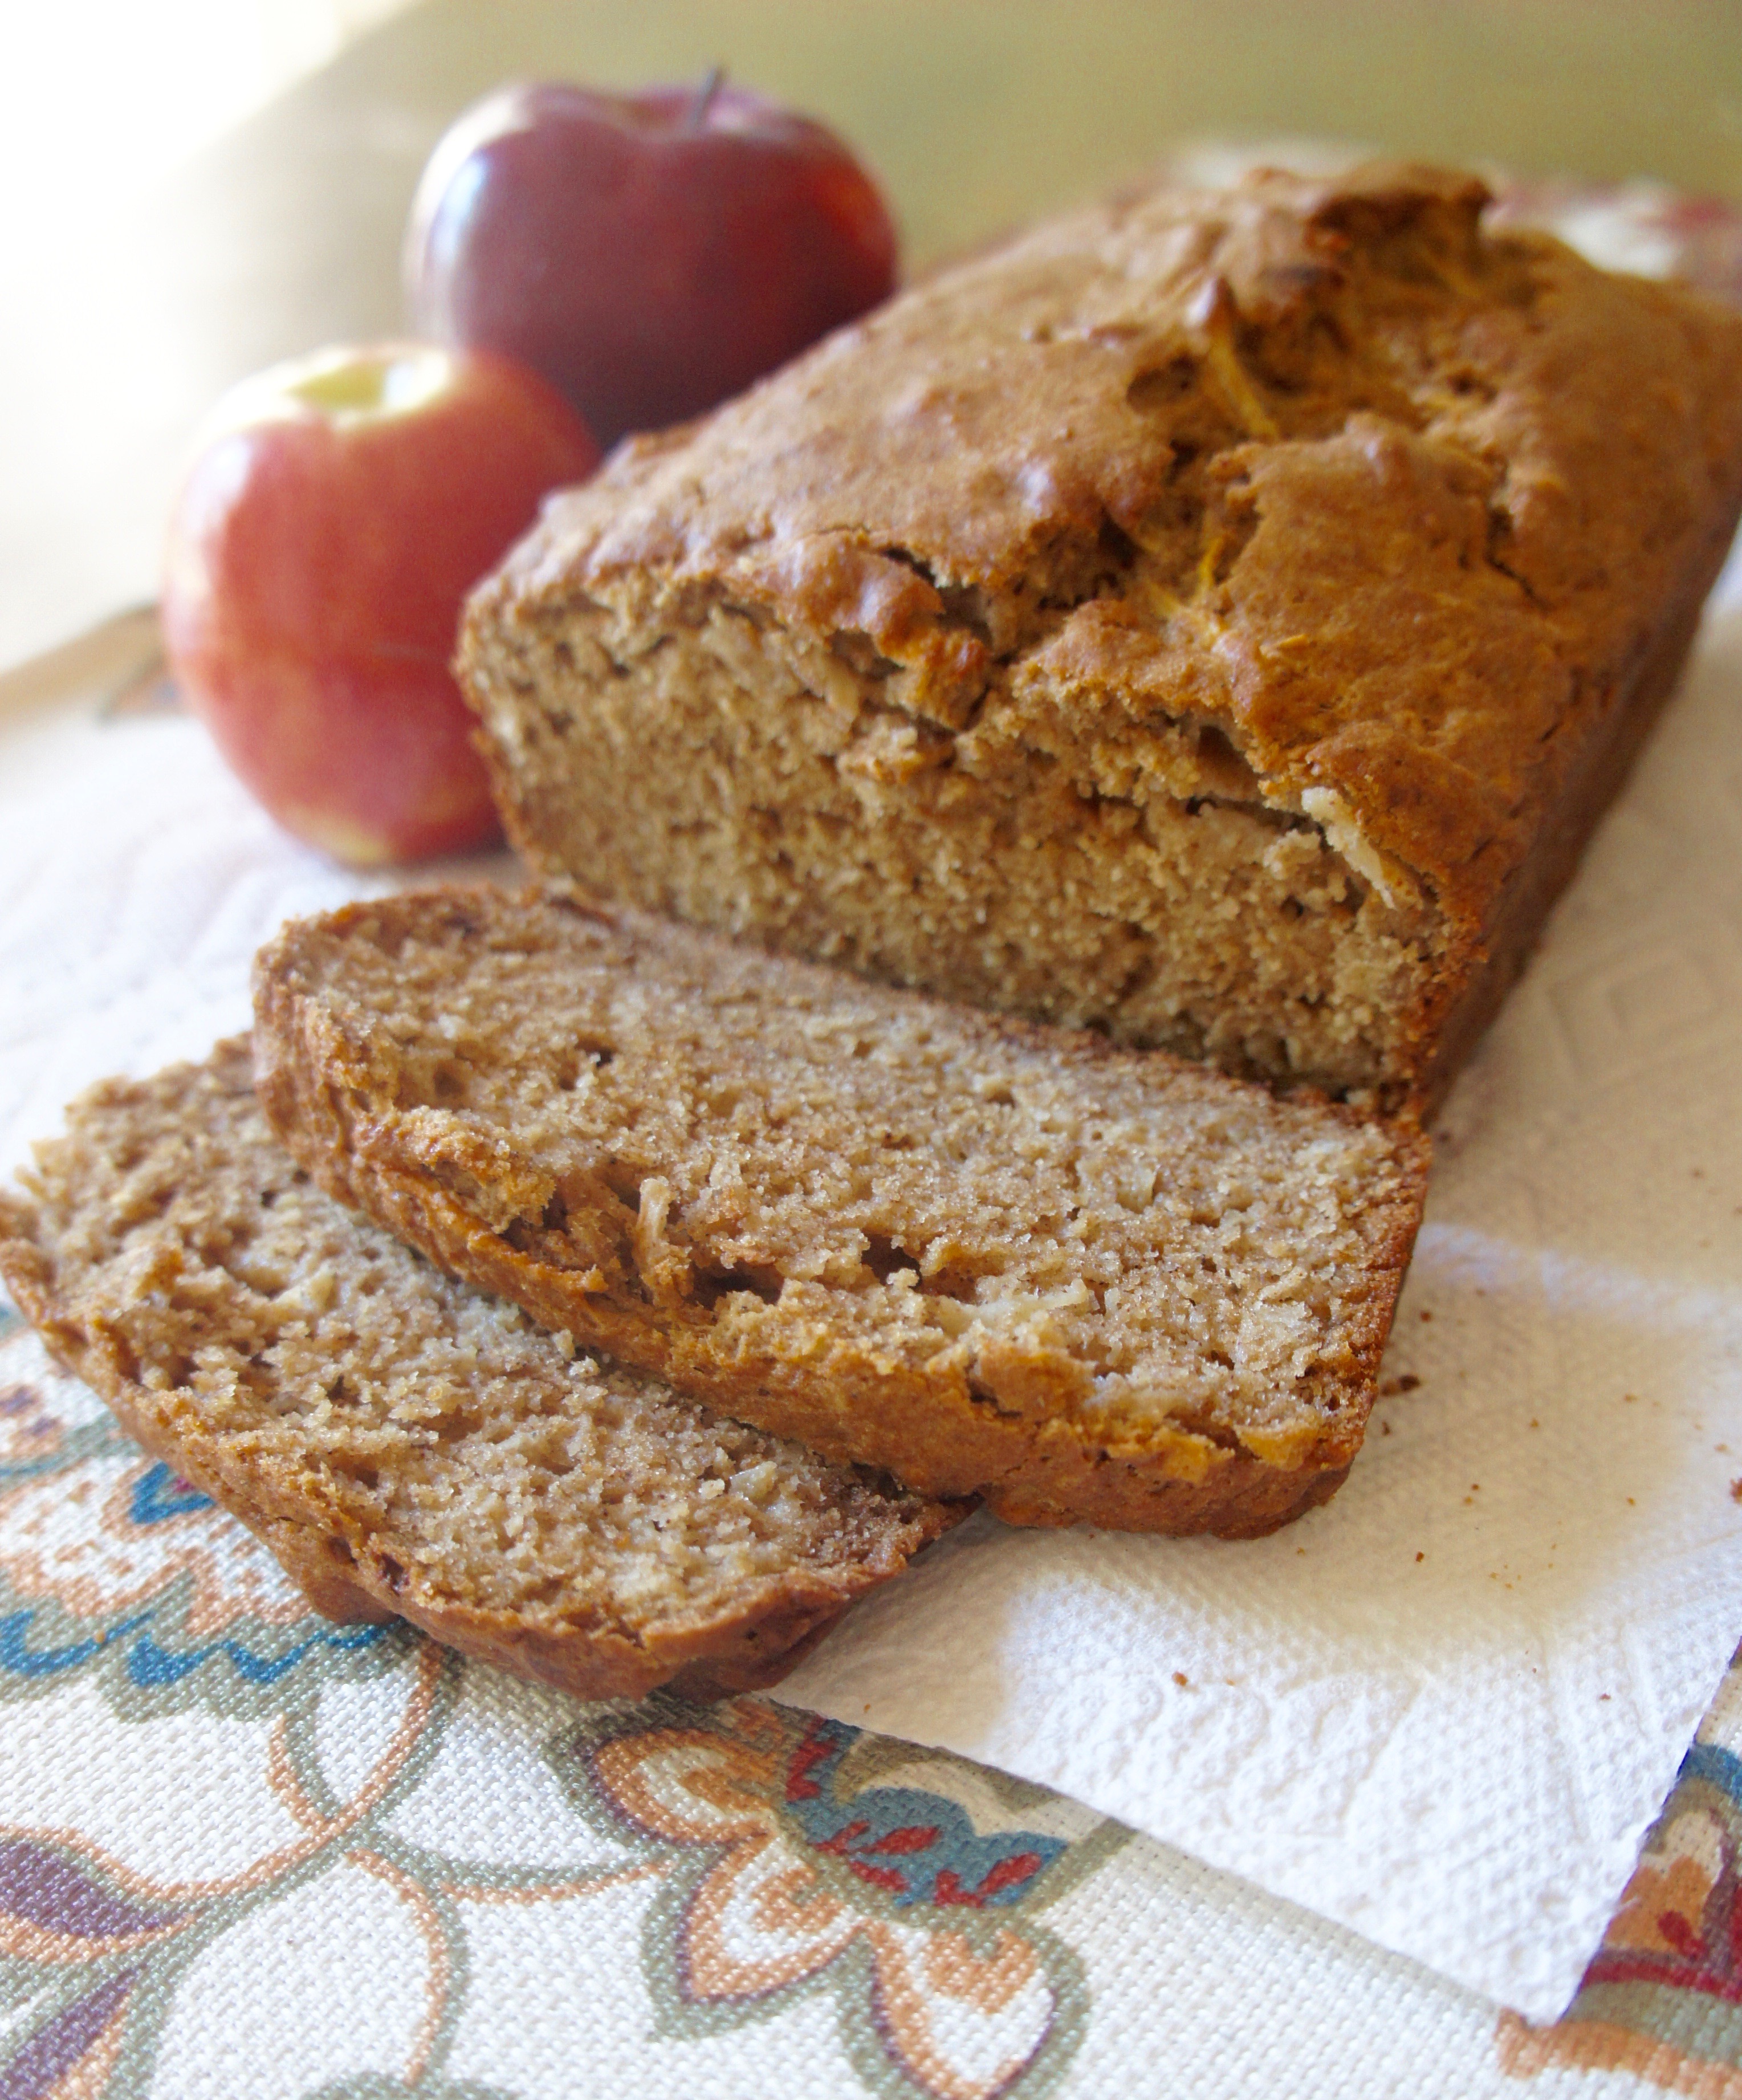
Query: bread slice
{"points": [[406, 1446], [995, 1257], [1219, 616]]}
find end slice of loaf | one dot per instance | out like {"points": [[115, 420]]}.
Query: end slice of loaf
{"points": [[995, 1258], [406, 1445]]}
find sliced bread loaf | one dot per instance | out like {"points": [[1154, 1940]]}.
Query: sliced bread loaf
{"points": [[994, 1257], [406, 1445], [1218, 616]]}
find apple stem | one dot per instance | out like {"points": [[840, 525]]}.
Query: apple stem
{"points": [[697, 114]]}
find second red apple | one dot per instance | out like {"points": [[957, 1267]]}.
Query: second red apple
{"points": [[651, 253]]}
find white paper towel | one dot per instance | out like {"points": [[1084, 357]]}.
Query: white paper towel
{"points": [[1441, 1710]]}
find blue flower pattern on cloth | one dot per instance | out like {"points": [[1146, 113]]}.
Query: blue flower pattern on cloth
{"points": [[159, 1493], [163, 1593]]}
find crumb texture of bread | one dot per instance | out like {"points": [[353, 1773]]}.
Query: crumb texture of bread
{"points": [[992, 1257], [1218, 617], [403, 1444]]}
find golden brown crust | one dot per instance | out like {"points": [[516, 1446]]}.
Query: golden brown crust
{"points": [[350, 1086], [1517, 911], [1397, 508], [293, 1493]]}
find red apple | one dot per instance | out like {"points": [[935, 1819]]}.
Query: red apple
{"points": [[336, 512], [650, 253]]}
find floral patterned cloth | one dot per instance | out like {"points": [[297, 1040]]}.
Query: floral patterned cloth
{"points": [[242, 1851]]}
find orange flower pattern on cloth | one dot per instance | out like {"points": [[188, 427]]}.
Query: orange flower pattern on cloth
{"points": [[805, 1856], [1663, 1998]]}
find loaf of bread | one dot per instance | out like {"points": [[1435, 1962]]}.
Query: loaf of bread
{"points": [[406, 1445], [1215, 617], [995, 1258]]}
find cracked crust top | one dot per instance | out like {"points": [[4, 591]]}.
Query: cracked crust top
{"points": [[1399, 505]]}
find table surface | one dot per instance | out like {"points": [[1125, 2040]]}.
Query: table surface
{"points": [[976, 115]]}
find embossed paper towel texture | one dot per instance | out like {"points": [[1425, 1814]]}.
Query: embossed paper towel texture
{"points": [[1441, 1710]]}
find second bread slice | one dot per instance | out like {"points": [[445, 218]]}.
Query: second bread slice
{"points": [[992, 1257]]}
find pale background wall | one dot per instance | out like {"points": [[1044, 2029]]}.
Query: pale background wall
{"points": [[100, 95], [101, 103]]}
